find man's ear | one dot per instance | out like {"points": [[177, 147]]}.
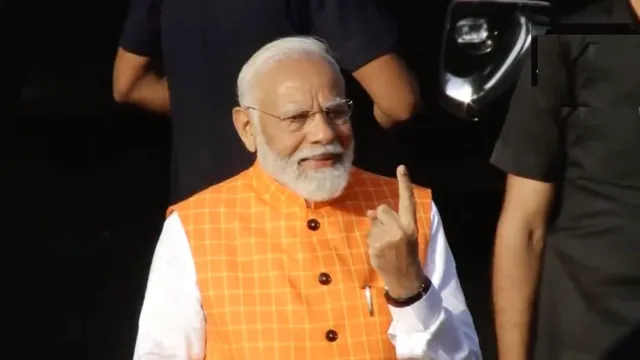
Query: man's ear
{"points": [[244, 127]]}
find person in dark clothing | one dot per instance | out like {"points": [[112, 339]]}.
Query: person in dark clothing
{"points": [[568, 241], [202, 45]]}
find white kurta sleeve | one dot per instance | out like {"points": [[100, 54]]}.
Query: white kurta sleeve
{"points": [[439, 326], [172, 324]]}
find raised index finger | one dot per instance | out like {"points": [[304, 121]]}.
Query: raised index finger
{"points": [[406, 203]]}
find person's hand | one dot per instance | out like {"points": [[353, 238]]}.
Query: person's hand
{"points": [[393, 243]]}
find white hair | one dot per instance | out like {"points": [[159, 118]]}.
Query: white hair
{"points": [[284, 48], [313, 185]]}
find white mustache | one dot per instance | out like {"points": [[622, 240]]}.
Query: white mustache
{"points": [[331, 149]]}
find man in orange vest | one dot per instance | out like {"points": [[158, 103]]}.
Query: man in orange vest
{"points": [[302, 256]]}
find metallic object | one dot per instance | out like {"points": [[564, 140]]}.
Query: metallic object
{"points": [[482, 51], [472, 34], [367, 296]]}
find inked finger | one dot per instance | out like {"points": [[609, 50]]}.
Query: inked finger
{"points": [[406, 198]]}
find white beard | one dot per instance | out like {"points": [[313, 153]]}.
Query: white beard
{"points": [[313, 185]]}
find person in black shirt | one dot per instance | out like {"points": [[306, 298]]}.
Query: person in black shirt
{"points": [[570, 223], [202, 45]]}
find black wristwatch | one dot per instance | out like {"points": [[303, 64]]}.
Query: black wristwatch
{"points": [[406, 302]]}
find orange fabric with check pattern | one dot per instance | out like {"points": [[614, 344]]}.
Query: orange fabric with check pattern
{"points": [[258, 265]]}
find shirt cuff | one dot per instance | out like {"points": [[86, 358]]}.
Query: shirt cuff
{"points": [[420, 316]]}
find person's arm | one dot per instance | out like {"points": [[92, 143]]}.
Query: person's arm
{"points": [[392, 88], [439, 326], [171, 324], [134, 82], [530, 151], [516, 260], [362, 36]]}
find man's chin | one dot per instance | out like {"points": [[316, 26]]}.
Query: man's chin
{"points": [[322, 184]]}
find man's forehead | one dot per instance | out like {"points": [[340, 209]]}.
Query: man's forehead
{"points": [[301, 81], [302, 104], [292, 96]]}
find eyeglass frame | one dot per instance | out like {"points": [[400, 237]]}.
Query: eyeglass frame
{"points": [[309, 115]]}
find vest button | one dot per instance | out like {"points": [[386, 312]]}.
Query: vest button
{"points": [[331, 335], [313, 224], [324, 278]]}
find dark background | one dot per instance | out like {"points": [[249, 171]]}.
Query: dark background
{"points": [[86, 181]]}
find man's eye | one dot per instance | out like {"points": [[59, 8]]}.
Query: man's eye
{"points": [[336, 114], [298, 117]]}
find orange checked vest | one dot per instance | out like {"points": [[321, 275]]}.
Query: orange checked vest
{"points": [[281, 280]]}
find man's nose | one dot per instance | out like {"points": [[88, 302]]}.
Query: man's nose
{"points": [[320, 131]]}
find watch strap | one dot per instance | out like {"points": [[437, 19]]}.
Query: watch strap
{"points": [[408, 301]]}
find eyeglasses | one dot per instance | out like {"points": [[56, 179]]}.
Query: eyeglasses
{"points": [[335, 114]]}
